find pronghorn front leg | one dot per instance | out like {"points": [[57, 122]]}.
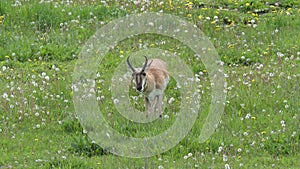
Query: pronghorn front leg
{"points": [[147, 106], [154, 104], [159, 104]]}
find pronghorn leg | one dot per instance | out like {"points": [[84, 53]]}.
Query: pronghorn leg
{"points": [[159, 104], [147, 106], [154, 102]]}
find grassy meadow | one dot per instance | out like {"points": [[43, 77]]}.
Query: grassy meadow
{"points": [[258, 42]]}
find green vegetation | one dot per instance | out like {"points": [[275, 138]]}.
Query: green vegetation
{"points": [[257, 40]]}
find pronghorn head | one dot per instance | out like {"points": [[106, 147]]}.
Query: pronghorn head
{"points": [[139, 75]]}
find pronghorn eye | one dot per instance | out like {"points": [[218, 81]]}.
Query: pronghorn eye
{"points": [[144, 74]]}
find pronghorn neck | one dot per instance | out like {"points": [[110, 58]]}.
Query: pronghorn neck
{"points": [[149, 83]]}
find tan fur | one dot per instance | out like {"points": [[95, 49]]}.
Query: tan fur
{"points": [[156, 81], [157, 78]]}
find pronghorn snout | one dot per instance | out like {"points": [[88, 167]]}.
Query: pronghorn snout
{"points": [[139, 84], [139, 88]]}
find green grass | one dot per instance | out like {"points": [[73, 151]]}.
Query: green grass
{"points": [[258, 42]]}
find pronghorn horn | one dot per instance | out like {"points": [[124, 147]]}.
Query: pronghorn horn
{"points": [[129, 65], [145, 65], [150, 63]]}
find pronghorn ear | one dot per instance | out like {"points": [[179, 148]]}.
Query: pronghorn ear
{"points": [[149, 64]]}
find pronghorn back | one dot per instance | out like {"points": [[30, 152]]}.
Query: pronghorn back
{"points": [[158, 64]]}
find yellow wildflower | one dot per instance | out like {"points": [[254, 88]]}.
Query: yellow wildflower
{"points": [[189, 5], [1, 19], [231, 46], [254, 14], [170, 3]]}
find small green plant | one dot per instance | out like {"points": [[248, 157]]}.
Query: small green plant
{"points": [[83, 146]]}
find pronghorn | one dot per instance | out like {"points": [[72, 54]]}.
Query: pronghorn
{"points": [[152, 81]]}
